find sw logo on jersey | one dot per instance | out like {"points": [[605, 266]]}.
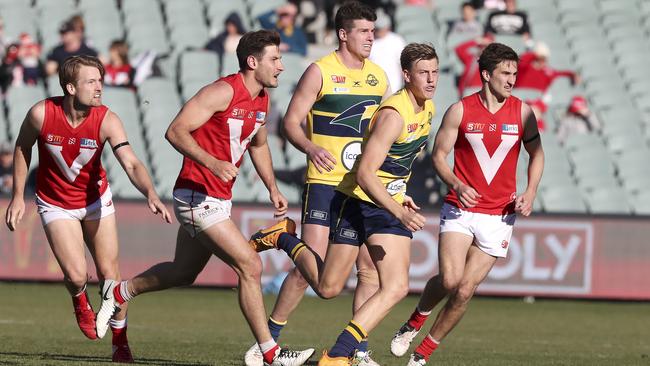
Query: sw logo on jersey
{"points": [[238, 113], [514, 129], [88, 143], [54, 139], [354, 116], [475, 127]]}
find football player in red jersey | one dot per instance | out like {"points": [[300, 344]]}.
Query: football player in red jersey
{"points": [[213, 130], [72, 193], [486, 131]]}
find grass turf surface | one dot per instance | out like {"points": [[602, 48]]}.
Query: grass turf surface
{"points": [[205, 327]]}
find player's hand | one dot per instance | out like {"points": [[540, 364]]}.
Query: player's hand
{"points": [[322, 159], [467, 195], [410, 204], [15, 213], [411, 219], [280, 203], [224, 170], [157, 207], [524, 203]]}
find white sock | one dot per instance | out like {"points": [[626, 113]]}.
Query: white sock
{"points": [[266, 346], [117, 324], [423, 312], [83, 289]]}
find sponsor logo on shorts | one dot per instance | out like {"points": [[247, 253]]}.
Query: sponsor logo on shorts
{"points": [[349, 234], [318, 215], [109, 203], [350, 154], [209, 211], [504, 244]]}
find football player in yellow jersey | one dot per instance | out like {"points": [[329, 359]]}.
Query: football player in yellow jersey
{"points": [[381, 217], [336, 96]]}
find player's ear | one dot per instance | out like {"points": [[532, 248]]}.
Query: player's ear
{"points": [[70, 88], [252, 62], [343, 35], [485, 75], [407, 75]]}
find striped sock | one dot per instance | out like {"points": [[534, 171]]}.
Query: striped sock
{"points": [[291, 245], [348, 340], [427, 347], [418, 318], [275, 327], [269, 350], [121, 292], [118, 328]]}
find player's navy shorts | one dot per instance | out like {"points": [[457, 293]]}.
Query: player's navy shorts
{"points": [[354, 221], [316, 203]]}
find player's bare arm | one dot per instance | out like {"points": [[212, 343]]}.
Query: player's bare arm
{"points": [[27, 137], [112, 131], [533, 145], [384, 132], [261, 158], [197, 111], [442, 146], [303, 99]]}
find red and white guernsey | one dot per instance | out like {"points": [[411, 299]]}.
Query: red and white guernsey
{"points": [[225, 136], [486, 152], [70, 173]]}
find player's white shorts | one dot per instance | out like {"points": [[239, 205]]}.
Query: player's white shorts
{"points": [[197, 211], [491, 233], [95, 211]]}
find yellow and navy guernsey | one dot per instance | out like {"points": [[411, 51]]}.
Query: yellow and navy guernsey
{"points": [[341, 113], [396, 168]]}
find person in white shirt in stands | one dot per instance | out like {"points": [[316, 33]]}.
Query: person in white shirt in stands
{"points": [[386, 51]]}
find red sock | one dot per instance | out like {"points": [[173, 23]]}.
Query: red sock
{"points": [[427, 347], [117, 293], [418, 318], [119, 336], [270, 354]]}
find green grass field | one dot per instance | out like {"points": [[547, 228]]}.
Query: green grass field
{"points": [[205, 327]]}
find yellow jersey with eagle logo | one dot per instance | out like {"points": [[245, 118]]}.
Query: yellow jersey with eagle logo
{"points": [[395, 171], [341, 114]]}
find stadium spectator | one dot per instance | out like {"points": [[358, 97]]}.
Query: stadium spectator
{"points": [[6, 168], [72, 44], [467, 53], [4, 40], [535, 73], [479, 212], [386, 50], [467, 27], [29, 53], [293, 37], [539, 108], [74, 199], [10, 71], [213, 130], [331, 86], [577, 119], [509, 21], [119, 71], [370, 207], [226, 41]]}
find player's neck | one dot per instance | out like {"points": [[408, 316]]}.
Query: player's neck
{"points": [[418, 104], [75, 113], [253, 86], [491, 101], [350, 60]]}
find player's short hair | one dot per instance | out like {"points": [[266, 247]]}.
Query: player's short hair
{"points": [[351, 11], [253, 44], [414, 52], [494, 54], [69, 71]]}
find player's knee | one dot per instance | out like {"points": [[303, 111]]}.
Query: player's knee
{"points": [[449, 283], [465, 292], [396, 291], [76, 279], [368, 276], [250, 269], [329, 291]]}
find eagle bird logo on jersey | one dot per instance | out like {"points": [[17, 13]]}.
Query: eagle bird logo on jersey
{"points": [[355, 115]]}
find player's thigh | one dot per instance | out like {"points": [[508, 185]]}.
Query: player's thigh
{"points": [[101, 238], [452, 255], [364, 260], [316, 236], [190, 255], [67, 243], [337, 265], [225, 241], [479, 264], [391, 255]]}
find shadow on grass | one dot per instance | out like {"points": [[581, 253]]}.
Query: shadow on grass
{"points": [[80, 358]]}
